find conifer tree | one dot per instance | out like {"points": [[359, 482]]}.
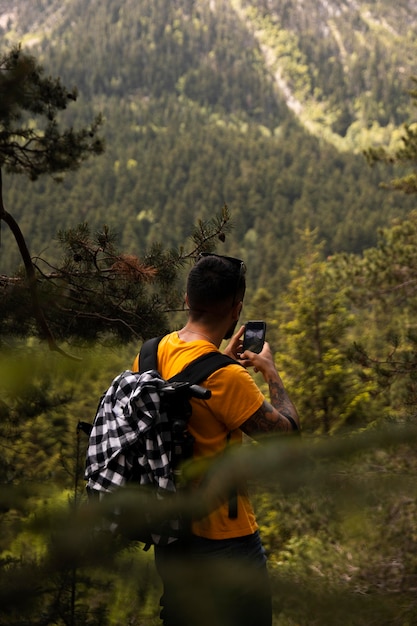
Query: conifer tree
{"points": [[383, 280], [32, 143], [406, 155], [97, 291], [383, 283], [314, 341]]}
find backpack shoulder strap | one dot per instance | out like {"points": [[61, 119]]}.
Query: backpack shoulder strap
{"points": [[196, 372], [202, 367], [148, 359]]}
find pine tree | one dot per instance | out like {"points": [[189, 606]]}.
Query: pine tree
{"points": [[97, 291], [314, 348], [31, 143], [406, 155]]}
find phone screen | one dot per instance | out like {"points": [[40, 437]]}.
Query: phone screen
{"points": [[254, 336]]}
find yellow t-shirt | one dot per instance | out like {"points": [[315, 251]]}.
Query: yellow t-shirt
{"points": [[234, 398]]}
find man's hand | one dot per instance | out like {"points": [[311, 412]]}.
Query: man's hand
{"points": [[262, 362], [234, 347], [278, 415]]}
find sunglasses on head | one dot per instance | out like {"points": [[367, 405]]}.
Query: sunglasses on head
{"points": [[237, 262]]}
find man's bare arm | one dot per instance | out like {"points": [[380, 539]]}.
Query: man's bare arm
{"points": [[280, 413], [269, 419]]}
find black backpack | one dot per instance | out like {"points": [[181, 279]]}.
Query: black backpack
{"points": [[140, 438]]}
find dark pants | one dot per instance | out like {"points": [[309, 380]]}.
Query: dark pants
{"points": [[222, 582]]}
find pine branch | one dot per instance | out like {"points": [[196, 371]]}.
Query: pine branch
{"points": [[30, 275]]}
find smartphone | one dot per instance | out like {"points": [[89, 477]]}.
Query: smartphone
{"points": [[254, 336]]}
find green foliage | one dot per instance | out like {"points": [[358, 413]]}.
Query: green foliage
{"points": [[382, 283], [314, 325], [41, 474], [194, 117], [334, 553], [96, 291], [406, 155], [99, 293], [31, 141], [324, 517]]}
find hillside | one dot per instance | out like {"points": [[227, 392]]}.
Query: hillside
{"points": [[263, 105]]}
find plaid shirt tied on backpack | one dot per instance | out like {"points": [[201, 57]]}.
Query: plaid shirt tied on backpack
{"points": [[131, 428]]}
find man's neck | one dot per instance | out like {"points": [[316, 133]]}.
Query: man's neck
{"points": [[194, 331]]}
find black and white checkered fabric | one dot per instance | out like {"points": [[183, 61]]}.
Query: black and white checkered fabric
{"points": [[128, 424], [131, 427]]}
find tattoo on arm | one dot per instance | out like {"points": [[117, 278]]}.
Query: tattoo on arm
{"points": [[279, 398], [272, 416], [265, 420]]}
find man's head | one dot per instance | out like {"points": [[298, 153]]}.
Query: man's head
{"points": [[216, 288]]}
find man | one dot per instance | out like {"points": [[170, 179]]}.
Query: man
{"points": [[220, 576]]}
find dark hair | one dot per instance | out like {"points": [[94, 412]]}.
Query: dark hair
{"points": [[215, 280]]}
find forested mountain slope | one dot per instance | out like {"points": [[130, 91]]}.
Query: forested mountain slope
{"points": [[263, 105]]}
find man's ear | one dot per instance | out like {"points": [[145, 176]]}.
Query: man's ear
{"points": [[238, 310]]}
